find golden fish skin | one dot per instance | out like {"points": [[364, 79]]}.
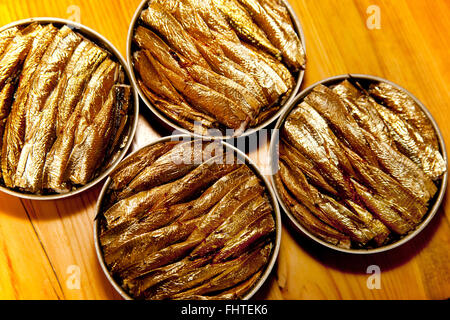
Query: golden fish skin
{"points": [[185, 211], [243, 24], [388, 188], [235, 92], [216, 192], [207, 100], [412, 144], [203, 76], [289, 46], [145, 249], [221, 84], [330, 106], [297, 184], [152, 79], [360, 106], [169, 102], [188, 281], [51, 67], [226, 206], [279, 8], [175, 270], [382, 210], [323, 135], [148, 244], [278, 67], [310, 221], [235, 293], [290, 154], [42, 112], [282, 18], [122, 94], [85, 62], [402, 104], [130, 167], [29, 174], [14, 134], [188, 17], [182, 114], [348, 222], [167, 99], [175, 191], [325, 207], [86, 156], [246, 266], [172, 31], [403, 170], [155, 220], [267, 78], [214, 18], [158, 259], [123, 254], [376, 226], [247, 213], [16, 52], [257, 231], [57, 163], [232, 70], [58, 156], [6, 37], [299, 136], [264, 115], [6, 97], [149, 42], [170, 166], [68, 71], [96, 93]]}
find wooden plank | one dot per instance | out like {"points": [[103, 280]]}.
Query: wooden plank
{"points": [[25, 270]]}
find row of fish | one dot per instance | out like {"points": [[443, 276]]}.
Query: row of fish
{"points": [[359, 164], [181, 221], [222, 64], [62, 106]]}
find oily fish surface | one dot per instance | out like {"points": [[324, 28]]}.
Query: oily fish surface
{"points": [[183, 221], [63, 109], [222, 64], [359, 166]]}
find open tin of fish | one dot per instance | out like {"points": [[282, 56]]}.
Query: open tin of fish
{"points": [[133, 112], [434, 204], [179, 129], [239, 155]]}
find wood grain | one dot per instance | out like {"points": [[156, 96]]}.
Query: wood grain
{"points": [[41, 242]]}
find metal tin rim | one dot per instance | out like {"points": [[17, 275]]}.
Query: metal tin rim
{"points": [[432, 210], [299, 79], [252, 165], [96, 37]]}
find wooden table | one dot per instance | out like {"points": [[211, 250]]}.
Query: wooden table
{"points": [[47, 249]]}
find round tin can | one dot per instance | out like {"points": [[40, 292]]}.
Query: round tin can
{"points": [[170, 124], [270, 193], [101, 41], [433, 207]]}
